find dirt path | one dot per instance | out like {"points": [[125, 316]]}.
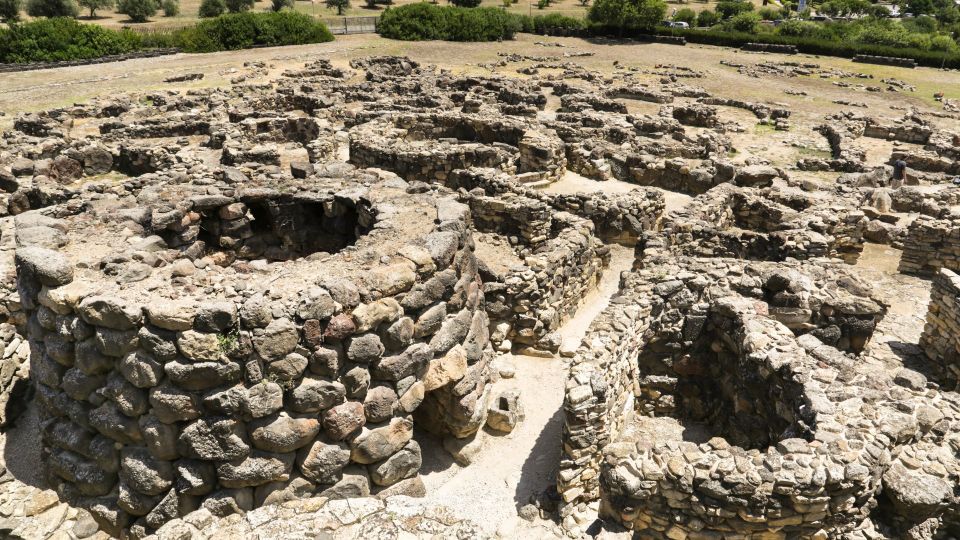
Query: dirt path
{"points": [[894, 344], [512, 468]]}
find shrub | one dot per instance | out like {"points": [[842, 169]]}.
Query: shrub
{"points": [[541, 4], [277, 5], [742, 22], [707, 18], [798, 28], [138, 10], [239, 6], [339, 5], [171, 8], [9, 10], [554, 24], [943, 43], [686, 15], [465, 3], [212, 8], [729, 8], [627, 14], [769, 13], [244, 30], [48, 40], [422, 21], [481, 24], [52, 8], [922, 24]]}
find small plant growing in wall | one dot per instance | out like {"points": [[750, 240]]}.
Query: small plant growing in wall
{"points": [[229, 342]]}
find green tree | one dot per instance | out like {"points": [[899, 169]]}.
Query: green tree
{"points": [[138, 10], [878, 12], [729, 8], [9, 10], [339, 5], [686, 15], [52, 8], [171, 8], [707, 18], [239, 6], [743, 22], [277, 5], [212, 8], [628, 14], [94, 5]]}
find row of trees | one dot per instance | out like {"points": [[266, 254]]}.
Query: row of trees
{"points": [[137, 10]]}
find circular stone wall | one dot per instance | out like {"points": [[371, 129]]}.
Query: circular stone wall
{"points": [[179, 368]]}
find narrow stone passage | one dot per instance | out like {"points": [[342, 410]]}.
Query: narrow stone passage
{"points": [[510, 469]]}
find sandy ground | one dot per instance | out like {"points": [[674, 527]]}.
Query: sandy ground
{"points": [[571, 183], [894, 344]]}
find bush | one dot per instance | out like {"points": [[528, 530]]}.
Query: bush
{"points": [[770, 14], [742, 22], [627, 14], [244, 30], [422, 21], [798, 28], [541, 4], [707, 18], [55, 39], [171, 8], [339, 5], [52, 8], [9, 10], [239, 6], [138, 10], [277, 5], [465, 3], [554, 24], [212, 8], [686, 15], [730, 8]]}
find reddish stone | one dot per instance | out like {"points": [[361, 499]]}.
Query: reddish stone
{"points": [[340, 327]]}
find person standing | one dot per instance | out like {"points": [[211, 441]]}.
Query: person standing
{"points": [[899, 173]]}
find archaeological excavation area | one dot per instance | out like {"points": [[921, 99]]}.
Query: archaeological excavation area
{"points": [[371, 296]]}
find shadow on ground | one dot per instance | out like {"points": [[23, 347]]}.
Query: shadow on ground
{"points": [[540, 469], [21, 448]]}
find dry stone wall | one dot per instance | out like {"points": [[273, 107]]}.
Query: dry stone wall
{"points": [[941, 333], [729, 221], [931, 244], [153, 406], [728, 417]]}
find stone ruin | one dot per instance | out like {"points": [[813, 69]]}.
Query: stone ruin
{"points": [[234, 307]]}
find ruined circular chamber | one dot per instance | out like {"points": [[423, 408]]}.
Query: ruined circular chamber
{"points": [[285, 336], [715, 406], [429, 146]]}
